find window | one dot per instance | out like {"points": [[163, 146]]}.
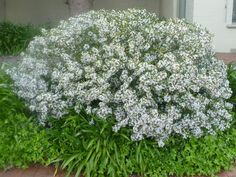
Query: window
{"points": [[182, 8], [231, 12], [186, 9], [234, 12]]}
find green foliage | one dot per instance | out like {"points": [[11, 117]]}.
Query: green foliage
{"points": [[20, 138], [232, 81], [10, 104], [96, 150], [80, 145], [15, 38], [20, 142]]}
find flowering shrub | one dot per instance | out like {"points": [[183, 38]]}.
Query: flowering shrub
{"points": [[157, 77]]}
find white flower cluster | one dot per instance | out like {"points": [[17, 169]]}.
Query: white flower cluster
{"points": [[158, 77]]}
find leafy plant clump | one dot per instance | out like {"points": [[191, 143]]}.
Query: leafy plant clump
{"points": [[15, 38], [160, 78], [93, 149], [21, 138], [232, 79]]}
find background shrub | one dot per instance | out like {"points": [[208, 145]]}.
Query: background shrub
{"points": [[15, 38]]}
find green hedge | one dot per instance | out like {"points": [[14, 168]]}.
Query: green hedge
{"points": [[15, 38]]}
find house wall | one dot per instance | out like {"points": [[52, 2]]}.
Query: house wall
{"points": [[150, 5], [189, 10], [2, 10], [36, 11], [212, 15], [51, 11], [169, 8]]}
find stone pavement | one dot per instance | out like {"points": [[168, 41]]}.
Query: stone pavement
{"points": [[34, 171], [40, 171], [231, 173], [9, 58], [227, 57]]}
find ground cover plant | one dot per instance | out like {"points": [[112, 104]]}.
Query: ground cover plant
{"points": [[15, 38], [232, 79], [98, 151], [20, 138], [77, 145], [120, 93]]}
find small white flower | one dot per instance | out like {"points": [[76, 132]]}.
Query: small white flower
{"points": [[86, 47], [157, 77]]}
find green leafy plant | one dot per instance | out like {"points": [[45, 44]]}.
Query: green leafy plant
{"points": [[95, 150], [15, 38], [83, 143], [232, 81], [20, 138]]}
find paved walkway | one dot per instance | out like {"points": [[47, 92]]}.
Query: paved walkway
{"points": [[34, 171], [227, 57], [9, 58], [231, 173], [40, 171]]}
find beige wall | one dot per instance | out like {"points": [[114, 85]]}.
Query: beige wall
{"points": [[189, 10], [212, 15], [169, 8], [150, 5], [44, 11], [36, 11], [2, 10]]}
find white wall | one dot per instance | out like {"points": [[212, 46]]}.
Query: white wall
{"points": [[212, 15]]}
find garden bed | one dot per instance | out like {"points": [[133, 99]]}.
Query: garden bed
{"points": [[117, 93]]}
